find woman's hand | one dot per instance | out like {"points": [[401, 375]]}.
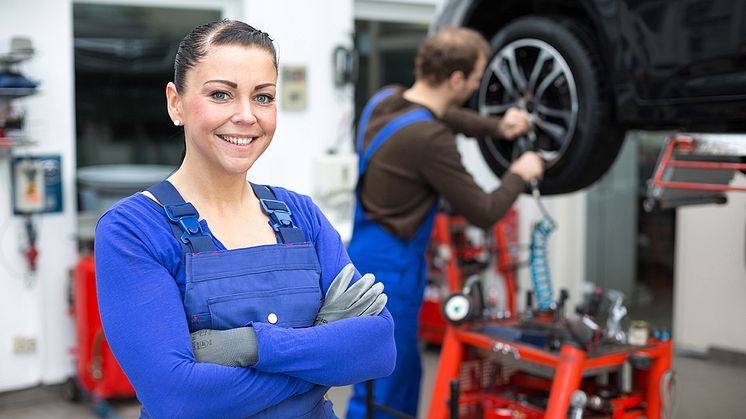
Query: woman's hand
{"points": [[233, 347], [364, 298]]}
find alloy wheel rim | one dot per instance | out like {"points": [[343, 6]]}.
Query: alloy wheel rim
{"points": [[532, 75]]}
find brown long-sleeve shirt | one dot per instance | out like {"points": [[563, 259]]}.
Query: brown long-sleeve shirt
{"points": [[420, 162]]}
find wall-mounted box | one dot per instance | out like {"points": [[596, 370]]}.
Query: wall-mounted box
{"points": [[37, 184]]}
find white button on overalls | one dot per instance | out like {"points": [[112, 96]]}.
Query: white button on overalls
{"points": [[272, 318]]}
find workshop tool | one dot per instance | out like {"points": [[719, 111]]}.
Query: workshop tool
{"points": [[617, 311], [578, 401], [540, 275], [454, 255]]}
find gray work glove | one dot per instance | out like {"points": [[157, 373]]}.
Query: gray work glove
{"points": [[233, 347], [364, 298]]}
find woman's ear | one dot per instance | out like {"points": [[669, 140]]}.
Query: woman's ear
{"points": [[173, 102]]}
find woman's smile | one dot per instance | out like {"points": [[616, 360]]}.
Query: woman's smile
{"points": [[238, 140]]}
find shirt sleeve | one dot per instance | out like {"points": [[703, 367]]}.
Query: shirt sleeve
{"points": [[146, 328], [440, 163], [470, 123], [339, 353]]}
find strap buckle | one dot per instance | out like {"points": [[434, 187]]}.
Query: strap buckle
{"points": [[279, 212], [187, 217]]}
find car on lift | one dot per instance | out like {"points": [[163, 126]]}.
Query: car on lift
{"points": [[590, 70]]}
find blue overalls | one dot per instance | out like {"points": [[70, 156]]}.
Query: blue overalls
{"points": [[277, 284], [400, 265]]}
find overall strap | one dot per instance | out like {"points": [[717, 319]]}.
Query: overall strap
{"points": [[279, 214], [375, 100], [394, 125], [184, 219]]}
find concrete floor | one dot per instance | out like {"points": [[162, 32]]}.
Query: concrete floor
{"points": [[704, 389]]}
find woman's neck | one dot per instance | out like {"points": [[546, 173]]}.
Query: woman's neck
{"points": [[210, 191]]}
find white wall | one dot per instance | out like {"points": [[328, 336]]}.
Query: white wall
{"points": [[39, 310], [306, 35], [710, 275]]}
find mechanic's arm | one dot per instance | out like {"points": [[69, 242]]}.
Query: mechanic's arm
{"points": [[472, 124], [145, 324], [440, 163]]}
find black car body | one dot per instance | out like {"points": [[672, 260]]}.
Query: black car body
{"points": [[633, 64]]}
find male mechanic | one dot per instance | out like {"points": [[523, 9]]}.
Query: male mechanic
{"points": [[408, 159]]}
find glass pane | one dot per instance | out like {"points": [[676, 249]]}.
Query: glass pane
{"points": [[123, 59]]}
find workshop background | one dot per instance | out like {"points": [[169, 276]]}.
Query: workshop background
{"points": [[101, 68]]}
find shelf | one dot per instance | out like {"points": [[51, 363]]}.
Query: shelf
{"points": [[9, 142], [15, 57], [16, 92]]}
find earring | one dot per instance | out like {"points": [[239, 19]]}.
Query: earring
{"points": [[177, 122]]}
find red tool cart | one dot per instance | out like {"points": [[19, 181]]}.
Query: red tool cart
{"points": [[481, 376], [97, 372], [499, 364]]}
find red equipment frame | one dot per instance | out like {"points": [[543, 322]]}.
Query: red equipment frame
{"points": [[687, 144], [464, 347], [569, 366], [504, 235]]}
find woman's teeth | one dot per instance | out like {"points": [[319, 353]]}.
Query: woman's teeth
{"points": [[236, 140]]}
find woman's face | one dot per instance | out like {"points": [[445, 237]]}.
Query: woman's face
{"points": [[228, 107]]}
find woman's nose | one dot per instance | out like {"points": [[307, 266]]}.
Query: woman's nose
{"points": [[244, 114]]}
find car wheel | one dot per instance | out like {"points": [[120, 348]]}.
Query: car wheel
{"points": [[548, 67]]}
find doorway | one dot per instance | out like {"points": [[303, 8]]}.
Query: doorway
{"points": [[124, 57]]}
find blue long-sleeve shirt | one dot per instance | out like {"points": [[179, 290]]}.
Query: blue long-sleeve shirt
{"points": [[140, 284]]}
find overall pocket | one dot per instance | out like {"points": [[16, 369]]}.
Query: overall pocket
{"points": [[284, 307]]}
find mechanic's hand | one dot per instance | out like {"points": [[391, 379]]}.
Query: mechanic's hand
{"points": [[528, 166], [233, 347], [514, 123], [364, 298]]}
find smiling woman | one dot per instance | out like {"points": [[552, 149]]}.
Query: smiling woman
{"points": [[206, 271], [219, 100]]}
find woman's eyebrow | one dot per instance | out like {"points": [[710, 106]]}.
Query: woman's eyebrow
{"points": [[262, 86], [226, 82]]}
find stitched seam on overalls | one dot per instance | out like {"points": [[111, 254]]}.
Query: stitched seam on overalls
{"points": [[278, 267], [238, 296]]}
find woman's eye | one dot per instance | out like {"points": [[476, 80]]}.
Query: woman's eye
{"points": [[264, 99], [218, 95]]}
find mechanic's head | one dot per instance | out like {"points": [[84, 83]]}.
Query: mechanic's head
{"points": [[221, 32], [453, 54]]}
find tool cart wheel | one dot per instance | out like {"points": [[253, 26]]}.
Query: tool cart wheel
{"points": [[71, 390]]}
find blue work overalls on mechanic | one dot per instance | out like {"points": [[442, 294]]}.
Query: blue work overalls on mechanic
{"points": [[278, 284], [400, 265]]}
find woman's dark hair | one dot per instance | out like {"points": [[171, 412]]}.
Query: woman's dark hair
{"points": [[197, 43]]}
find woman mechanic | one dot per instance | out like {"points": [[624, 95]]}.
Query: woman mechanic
{"points": [[207, 253]]}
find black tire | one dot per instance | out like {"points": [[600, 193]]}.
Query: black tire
{"points": [[578, 143]]}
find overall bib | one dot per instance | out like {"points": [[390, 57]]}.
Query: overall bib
{"points": [[225, 289], [400, 265]]}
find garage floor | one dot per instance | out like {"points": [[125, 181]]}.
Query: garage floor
{"points": [[705, 389]]}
